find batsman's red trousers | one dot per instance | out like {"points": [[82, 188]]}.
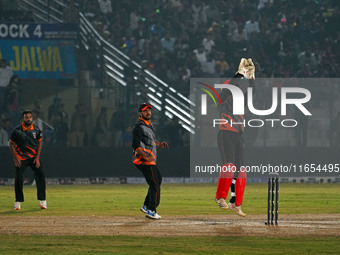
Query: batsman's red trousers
{"points": [[231, 146]]}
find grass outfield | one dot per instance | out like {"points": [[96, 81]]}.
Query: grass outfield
{"points": [[177, 199], [166, 245]]}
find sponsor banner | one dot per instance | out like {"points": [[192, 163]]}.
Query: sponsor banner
{"points": [[40, 59], [31, 31], [141, 180], [69, 181]]}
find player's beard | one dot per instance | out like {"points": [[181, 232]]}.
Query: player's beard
{"points": [[148, 117], [27, 123]]}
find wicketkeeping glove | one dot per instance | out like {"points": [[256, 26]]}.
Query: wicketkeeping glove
{"points": [[247, 68]]}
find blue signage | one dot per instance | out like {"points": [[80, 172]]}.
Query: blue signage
{"points": [[40, 59], [39, 51]]}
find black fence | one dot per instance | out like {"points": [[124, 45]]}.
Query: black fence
{"points": [[95, 161]]}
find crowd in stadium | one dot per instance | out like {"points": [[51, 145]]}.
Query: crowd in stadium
{"points": [[206, 38], [179, 39]]}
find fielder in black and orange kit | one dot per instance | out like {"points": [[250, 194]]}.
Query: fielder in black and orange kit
{"points": [[231, 144], [144, 146], [25, 145]]}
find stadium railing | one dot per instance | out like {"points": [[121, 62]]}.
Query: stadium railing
{"points": [[116, 66]]}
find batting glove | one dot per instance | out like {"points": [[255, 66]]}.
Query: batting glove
{"points": [[247, 68]]}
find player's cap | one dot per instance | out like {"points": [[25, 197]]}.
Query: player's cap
{"points": [[144, 106]]}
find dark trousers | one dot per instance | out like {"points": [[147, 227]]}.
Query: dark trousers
{"points": [[38, 176], [231, 146], [154, 179]]}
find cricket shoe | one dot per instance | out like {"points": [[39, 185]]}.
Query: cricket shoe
{"points": [[236, 209], [17, 206], [152, 215], [222, 203], [43, 204], [144, 209]]}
